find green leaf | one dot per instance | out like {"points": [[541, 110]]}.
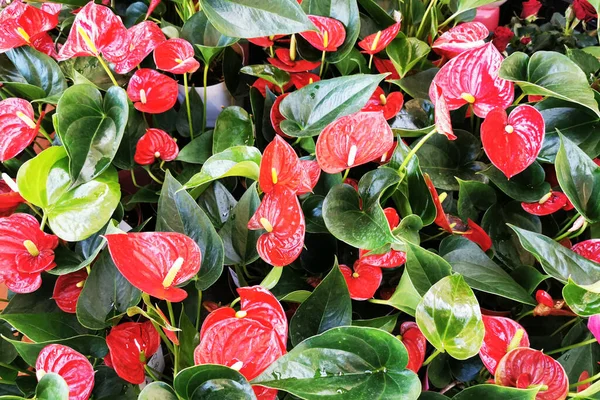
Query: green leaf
{"points": [[406, 52], [465, 5], [353, 61], [364, 227], [255, 18], [309, 110], [267, 72], [233, 127], [558, 261], [345, 363], [473, 197], [157, 391], [405, 297], [386, 323], [327, 307], [189, 338], [528, 277], [33, 175], [106, 294], [212, 382], [480, 272], [178, 212], [45, 327], [587, 62], [198, 150], [527, 186], [134, 130], [496, 392], [450, 318], [579, 178], [312, 207], [87, 345], [205, 37], [425, 268], [182, 122], [548, 73], [417, 85], [235, 161], [90, 128], [52, 387], [581, 301], [39, 70]]}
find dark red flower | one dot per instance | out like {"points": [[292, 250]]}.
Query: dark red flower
{"points": [[72, 366], [25, 251], [472, 78], [524, 367], [283, 61], [543, 297], [17, 127], [262, 85], [248, 340], [277, 117], [67, 290], [441, 219], [279, 167], [156, 262], [363, 282], [415, 343], [353, 140], [525, 40], [512, 143], [384, 65], [443, 121], [390, 259], [311, 172], [266, 41], [390, 106], [280, 214], [501, 336], [582, 377], [152, 92], [378, 41], [466, 36], [130, 345], [589, 249], [301, 79], [549, 204], [155, 144], [96, 30], [145, 36], [9, 200], [331, 33], [502, 37], [584, 10], [530, 8], [21, 24], [176, 56]]}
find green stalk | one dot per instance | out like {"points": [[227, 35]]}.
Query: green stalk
{"points": [[105, 66], [432, 357], [573, 346], [416, 148], [205, 82], [187, 105]]}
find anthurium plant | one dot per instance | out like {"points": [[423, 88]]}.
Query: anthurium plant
{"points": [[316, 199]]}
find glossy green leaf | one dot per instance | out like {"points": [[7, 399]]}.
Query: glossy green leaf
{"points": [[52, 387], [198, 150], [312, 207], [527, 186], [209, 381], [309, 110], [386, 323], [425, 268], [364, 227], [328, 306], [528, 277], [158, 391], [33, 175], [417, 85], [134, 130], [405, 298], [39, 70], [345, 363], [548, 73], [353, 62], [91, 128], [473, 197], [189, 338], [406, 52], [45, 327], [450, 318], [579, 178], [496, 392], [255, 18], [267, 72], [581, 301], [208, 41], [87, 345], [233, 127], [178, 212]]}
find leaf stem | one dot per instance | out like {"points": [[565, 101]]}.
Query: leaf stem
{"points": [[105, 66], [150, 373], [583, 382], [43, 224], [187, 105], [421, 25], [154, 178], [416, 148], [133, 179], [565, 325], [175, 345], [573, 346], [205, 100], [518, 100], [45, 134], [431, 357], [163, 336], [199, 310]]}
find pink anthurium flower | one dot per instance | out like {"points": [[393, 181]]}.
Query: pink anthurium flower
{"points": [[71, 365], [286, 60], [379, 40], [589, 249], [363, 282], [176, 56], [501, 336], [145, 36], [550, 203], [331, 33], [466, 36], [21, 24], [155, 144], [17, 127], [594, 325], [513, 142], [152, 92], [443, 121], [389, 105], [67, 289]]}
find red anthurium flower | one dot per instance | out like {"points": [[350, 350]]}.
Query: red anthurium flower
{"points": [[262, 85], [330, 36], [96, 30], [415, 343], [389, 106], [283, 60], [176, 56], [155, 144], [441, 219], [378, 41], [266, 41], [549, 204], [443, 121], [72, 366], [472, 78], [280, 214], [21, 23], [156, 262], [280, 167], [145, 36], [45, 44], [67, 290], [51, 8], [363, 282], [501, 336], [25, 251], [311, 172], [582, 377], [589, 249], [9, 199], [384, 65], [584, 10], [391, 259], [17, 127], [301, 79], [152, 7], [248, 340], [171, 335], [543, 297], [466, 36], [130, 345], [524, 367], [152, 92], [513, 142], [353, 140], [277, 117]]}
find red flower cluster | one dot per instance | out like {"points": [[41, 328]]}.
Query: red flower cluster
{"points": [[584, 10]]}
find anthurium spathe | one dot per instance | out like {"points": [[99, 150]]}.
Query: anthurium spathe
{"points": [[383, 66], [524, 367], [392, 258], [550, 203], [513, 142], [280, 167], [376, 42], [156, 262], [589, 249], [472, 78], [67, 289], [176, 56], [152, 92], [71, 365], [415, 343], [443, 121], [353, 140], [156, 144], [130, 346], [301, 79], [501, 335], [594, 325], [17, 127], [277, 117], [144, 36], [465, 36], [25, 252], [288, 60], [21, 24], [389, 105], [363, 281], [280, 215], [9, 199], [311, 172], [330, 35]]}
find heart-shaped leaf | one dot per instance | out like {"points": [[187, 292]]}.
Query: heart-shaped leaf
{"points": [[405, 298], [233, 127], [208, 41], [157, 390], [52, 387], [581, 301], [406, 52], [425, 268], [212, 380], [529, 186], [473, 197]]}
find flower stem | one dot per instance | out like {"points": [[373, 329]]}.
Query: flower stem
{"points": [[583, 382], [432, 357], [43, 132], [422, 24], [573, 346], [205, 82], [518, 100], [154, 178], [175, 345], [322, 63], [199, 310], [150, 373], [187, 105], [105, 66], [346, 172], [134, 181], [565, 228], [416, 148], [563, 326], [43, 224]]}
